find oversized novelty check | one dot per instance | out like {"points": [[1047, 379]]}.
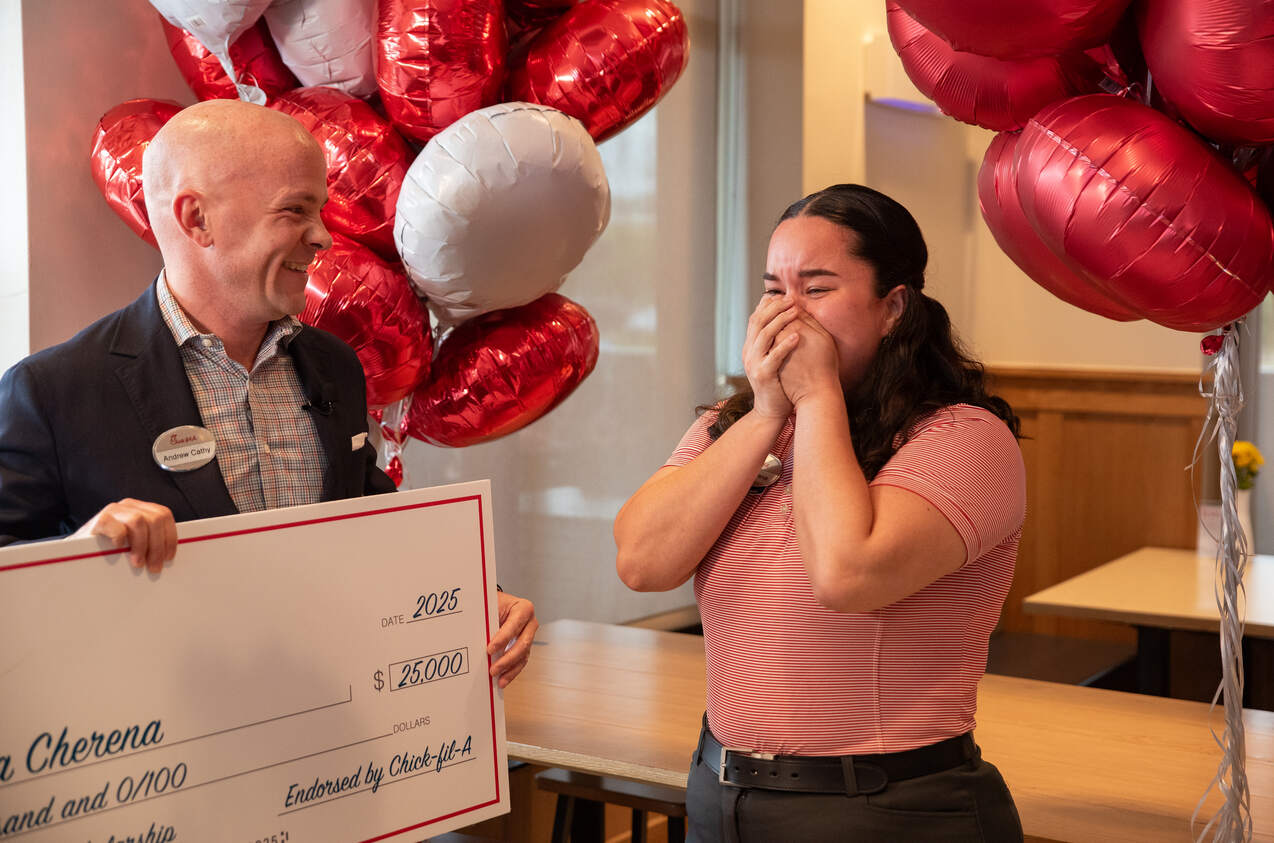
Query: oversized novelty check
{"points": [[308, 674]]}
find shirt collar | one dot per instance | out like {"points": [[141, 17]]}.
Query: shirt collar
{"points": [[281, 331]]}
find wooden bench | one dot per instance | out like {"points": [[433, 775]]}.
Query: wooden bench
{"points": [[1071, 661], [641, 797]]}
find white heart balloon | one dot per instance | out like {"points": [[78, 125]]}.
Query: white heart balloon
{"points": [[499, 207], [327, 42], [217, 24]]}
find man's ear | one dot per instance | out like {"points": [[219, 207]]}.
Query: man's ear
{"points": [[188, 210]]}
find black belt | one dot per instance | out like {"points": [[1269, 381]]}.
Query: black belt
{"points": [[847, 774]]}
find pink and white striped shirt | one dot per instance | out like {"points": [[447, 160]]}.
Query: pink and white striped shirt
{"points": [[787, 675]]}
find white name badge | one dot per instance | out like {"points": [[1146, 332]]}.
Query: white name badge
{"points": [[184, 448], [317, 673]]}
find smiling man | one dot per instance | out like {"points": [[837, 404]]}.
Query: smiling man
{"points": [[205, 396]]}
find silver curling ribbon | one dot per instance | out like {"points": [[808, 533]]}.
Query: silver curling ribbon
{"points": [[1232, 823]]}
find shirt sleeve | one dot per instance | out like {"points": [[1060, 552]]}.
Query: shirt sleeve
{"points": [[967, 464], [695, 442]]}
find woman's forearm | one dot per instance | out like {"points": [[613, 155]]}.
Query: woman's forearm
{"points": [[672, 521], [831, 502]]}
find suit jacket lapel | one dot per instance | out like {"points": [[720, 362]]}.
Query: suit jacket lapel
{"points": [[312, 363], [149, 367]]}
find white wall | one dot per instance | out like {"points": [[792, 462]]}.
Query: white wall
{"points": [[14, 305], [81, 59]]}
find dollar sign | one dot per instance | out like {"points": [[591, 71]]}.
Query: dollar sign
{"points": [[378, 680]]}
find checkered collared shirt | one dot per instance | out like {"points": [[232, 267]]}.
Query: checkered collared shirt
{"points": [[267, 448]]}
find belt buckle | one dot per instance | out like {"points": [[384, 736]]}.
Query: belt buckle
{"points": [[721, 766]]}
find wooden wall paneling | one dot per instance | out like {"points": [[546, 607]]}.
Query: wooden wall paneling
{"points": [[1106, 465], [1043, 456]]}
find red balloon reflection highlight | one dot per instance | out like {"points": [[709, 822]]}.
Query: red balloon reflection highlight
{"points": [[120, 139], [997, 197], [604, 62], [503, 370], [366, 162], [254, 56], [393, 432], [1021, 29], [437, 60], [1147, 210], [1214, 61], [987, 92], [370, 305]]}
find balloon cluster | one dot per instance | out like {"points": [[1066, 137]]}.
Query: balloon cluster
{"points": [[463, 177], [1147, 201], [1132, 174]]}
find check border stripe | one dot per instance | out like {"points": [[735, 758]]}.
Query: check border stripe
{"points": [[230, 533]]}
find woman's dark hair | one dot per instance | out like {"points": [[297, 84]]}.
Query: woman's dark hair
{"points": [[920, 366]]}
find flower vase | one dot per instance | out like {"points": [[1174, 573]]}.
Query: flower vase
{"points": [[1243, 503]]}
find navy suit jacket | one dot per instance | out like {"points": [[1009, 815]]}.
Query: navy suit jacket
{"points": [[77, 422]]}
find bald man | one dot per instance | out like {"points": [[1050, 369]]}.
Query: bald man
{"points": [[210, 355]]}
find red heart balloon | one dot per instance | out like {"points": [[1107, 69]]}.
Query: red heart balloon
{"points": [[501, 371], [997, 197], [1021, 29], [119, 141], [437, 60], [370, 305], [992, 93], [1214, 61], [366, 162], [604, 62], [255, 59], [1147, 210]]}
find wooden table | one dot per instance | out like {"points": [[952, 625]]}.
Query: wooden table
{"points": [[1083, 763], [1158, 589]]}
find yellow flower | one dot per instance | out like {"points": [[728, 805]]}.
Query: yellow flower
{"points": [[1247, 462], [1247, 455]]}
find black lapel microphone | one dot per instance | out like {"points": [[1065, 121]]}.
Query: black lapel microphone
{"points": [[322, 407]]}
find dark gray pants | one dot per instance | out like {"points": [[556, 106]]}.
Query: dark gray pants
{"points": [[966, 803]]}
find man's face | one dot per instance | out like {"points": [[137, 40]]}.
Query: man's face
{"points": [[266, 232]]}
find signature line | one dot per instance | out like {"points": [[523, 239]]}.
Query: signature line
{"points": [[431, 617], [349, 698]]}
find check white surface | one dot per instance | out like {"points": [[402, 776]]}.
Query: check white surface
{"points": [[316, 673]]}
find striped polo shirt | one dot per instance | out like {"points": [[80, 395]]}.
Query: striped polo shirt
{"points": [[787, 675]]}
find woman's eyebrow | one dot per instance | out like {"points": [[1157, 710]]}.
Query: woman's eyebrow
{"points": [[804, 273]]}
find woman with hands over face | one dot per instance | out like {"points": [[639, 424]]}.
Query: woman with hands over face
{"points": [[851, 520]]}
